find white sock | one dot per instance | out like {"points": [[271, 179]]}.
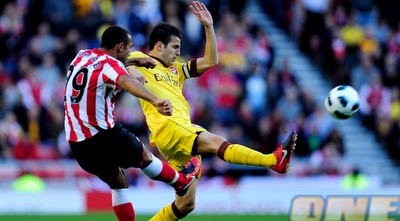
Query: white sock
{"points": [[154, 168], [119, 196]]}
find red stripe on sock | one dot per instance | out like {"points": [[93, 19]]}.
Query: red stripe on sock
{"points": [[176, 211], [222, 148], [167, 173], [124, 212]]}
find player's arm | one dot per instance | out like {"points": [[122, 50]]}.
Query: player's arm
{"points": [[136, 74], [210, 58], [141, 62], [136, 88]]}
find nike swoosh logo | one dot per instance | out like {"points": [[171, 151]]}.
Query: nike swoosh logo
{"points": [[284, 155]]}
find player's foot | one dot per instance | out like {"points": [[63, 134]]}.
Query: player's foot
{"points": [[190, 171], [283, 152]]}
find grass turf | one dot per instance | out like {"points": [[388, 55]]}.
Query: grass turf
{"points": [[111, 217]]}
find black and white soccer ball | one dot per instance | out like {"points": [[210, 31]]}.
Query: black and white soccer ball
{"points": [[342, 102]]}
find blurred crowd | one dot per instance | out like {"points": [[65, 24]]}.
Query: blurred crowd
{"points": [[246, 98], [355, 42]]}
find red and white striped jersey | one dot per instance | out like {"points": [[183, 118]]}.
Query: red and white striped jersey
{"points": [[90, 92]]}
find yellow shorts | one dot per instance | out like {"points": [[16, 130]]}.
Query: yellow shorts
{"points": [[175, 142]]}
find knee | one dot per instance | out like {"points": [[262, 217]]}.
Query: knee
{"points": [[147, 158], [217, 138], [209, 143]]}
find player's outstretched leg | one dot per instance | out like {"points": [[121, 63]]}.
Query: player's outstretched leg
{"points": [[283, 153], [239, 154]]}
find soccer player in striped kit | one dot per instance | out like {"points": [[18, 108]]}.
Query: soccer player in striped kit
{"points": [[101, 145], [176, 137]]}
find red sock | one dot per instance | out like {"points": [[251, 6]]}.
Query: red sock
{"points": [[124, 212], [168, 174]]}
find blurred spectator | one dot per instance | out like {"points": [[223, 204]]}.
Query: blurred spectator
{"points": [[380, 30], [11, 28], [67, 47], [34, 92], [89, 19], [374, 99], [8, 92], [364, 11], [314, 22], [290, 104], [303, 150], [232, 58], [336, 139], [369, 45], [308, 102], [352, 33], [262, 52], [226, 89], [59, 14], [354, 180], [318, 126], [10, 135], [28, 183], [285, 74], [41, 43], [193, 34], [143, 16], [255, 90], [362, 73], [274, 88], [326, 160], [390, 71], [269, 128], [49, 72]]}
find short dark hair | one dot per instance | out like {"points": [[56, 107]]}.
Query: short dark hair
{"points": [[114, 35], [163, 32]]}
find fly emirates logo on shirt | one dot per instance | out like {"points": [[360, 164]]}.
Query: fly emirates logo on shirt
{"points": [[168, 78]]}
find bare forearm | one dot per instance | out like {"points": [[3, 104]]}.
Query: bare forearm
{"points": [[211, 49], [137, 89], [210, 58]]}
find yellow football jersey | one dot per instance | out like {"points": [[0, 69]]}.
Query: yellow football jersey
{"points": [[165, 82]]}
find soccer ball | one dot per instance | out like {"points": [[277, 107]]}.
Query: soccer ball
{"points": [[342, 102]]}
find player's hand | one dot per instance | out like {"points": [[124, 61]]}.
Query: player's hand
{"points": [[202, 13], [164, 107], [141, 62], [136, 74]]}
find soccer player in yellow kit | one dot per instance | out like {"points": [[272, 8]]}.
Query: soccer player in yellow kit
{"points": [[176, 137]]}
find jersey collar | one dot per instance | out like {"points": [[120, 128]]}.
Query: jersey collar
{"points": [[159, 60], [100, 52]]}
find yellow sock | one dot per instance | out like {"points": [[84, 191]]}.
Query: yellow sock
{"points": [[238, 154], [165, 214]]}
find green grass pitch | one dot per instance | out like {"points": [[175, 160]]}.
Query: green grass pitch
{"points": [[111, 217]]}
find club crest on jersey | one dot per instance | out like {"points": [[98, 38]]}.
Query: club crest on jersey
{"points": [[173, 70], [97, 65]]}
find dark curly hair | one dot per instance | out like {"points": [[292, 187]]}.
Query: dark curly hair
{"points": [[163, 32]]}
